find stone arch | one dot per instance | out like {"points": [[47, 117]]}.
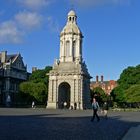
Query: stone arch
{"points": [[64, 90]]}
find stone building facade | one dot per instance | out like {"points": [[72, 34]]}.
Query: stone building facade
{"points": [[69, 80], [12, 73]]}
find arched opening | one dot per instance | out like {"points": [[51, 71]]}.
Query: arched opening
{"points": [[74, 49], [67, 48], [69, 18], [73, 19], [64, 95]]}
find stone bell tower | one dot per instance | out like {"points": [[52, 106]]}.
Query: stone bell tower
{"points": [[69, 80]]}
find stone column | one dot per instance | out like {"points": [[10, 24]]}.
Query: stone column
{"points": [[50, 91]]}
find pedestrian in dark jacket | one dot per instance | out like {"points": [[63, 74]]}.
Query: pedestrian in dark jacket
{"points": [[95, 107]]}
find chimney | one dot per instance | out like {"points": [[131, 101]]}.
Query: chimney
{"points": [[3, 56], [102, 78], [97, 79]]}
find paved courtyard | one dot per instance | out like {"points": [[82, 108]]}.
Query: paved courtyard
{"points": [[44, 124]]}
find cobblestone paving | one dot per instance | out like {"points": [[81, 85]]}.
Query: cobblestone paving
{"points": [[44, 124]]}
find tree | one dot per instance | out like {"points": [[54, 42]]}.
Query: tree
{"points": [[133, 94], [100, 95], [118, 94], [39, 92], [24, 96], [128, 89], [37, 86], [40, 75], [129, 76]]}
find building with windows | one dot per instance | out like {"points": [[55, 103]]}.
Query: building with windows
{"points": [[107, 86], [69, 80], [12, 73]]}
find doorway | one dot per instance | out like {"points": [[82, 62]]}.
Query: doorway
{"points": [[64, 96]]}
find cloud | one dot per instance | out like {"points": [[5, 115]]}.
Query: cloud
{"points": [[9, 33], [91, 3], [13, 31], [29, 20], [34, 4]]}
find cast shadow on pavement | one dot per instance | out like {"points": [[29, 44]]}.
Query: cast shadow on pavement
{"points": [[56, 127]]}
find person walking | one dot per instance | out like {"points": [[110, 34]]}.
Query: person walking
{"points": [[65, 104], [75, 106], [95, 107], [33, 104], [105, 109]]}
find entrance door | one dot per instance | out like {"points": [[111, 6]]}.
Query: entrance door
{"points": [[64, 95]]}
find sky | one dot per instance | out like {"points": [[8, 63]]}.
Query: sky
{"points": [[111, 30]]}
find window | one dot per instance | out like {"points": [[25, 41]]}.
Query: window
{"points": [[74, 48], [73, 19], [69, 18], [67, 48]]}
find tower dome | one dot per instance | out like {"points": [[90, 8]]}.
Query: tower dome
{"points": [[71, 40], [71, 13], [71, 25]]}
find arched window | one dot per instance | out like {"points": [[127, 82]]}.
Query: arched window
{"points": [[73, 19], [69, 18], [74, 48], [67, 48]]}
